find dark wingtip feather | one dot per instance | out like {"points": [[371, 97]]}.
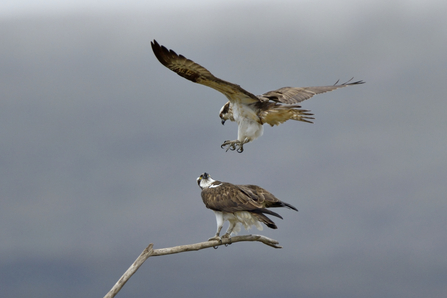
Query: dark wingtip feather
{"points": [[282, 204], [162, 53], [159, 52], [290, 206], [348, 82], [264, 219], [266, 211], [271, 225]]}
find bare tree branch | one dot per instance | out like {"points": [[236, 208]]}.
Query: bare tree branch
{"points": [[129, 272], [149, 251]]}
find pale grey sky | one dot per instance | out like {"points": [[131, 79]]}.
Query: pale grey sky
{"points": [[35, 7], [10, 8], [101, 146]]}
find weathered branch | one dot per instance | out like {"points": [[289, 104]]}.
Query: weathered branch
{"points": [[129, 272], [149, 251]]}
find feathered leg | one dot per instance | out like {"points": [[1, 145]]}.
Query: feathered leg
{"points": [[219, 221], [230, 229]]}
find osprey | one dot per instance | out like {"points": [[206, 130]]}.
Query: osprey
{"points": [[238, 204], [248, 110]]}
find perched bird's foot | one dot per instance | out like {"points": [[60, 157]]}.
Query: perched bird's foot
{"points": [[233, 145], [226, 236], [215, 238]]}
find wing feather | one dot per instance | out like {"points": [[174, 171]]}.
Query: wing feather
{"points": [[266, 198], [228, 198], [199, 74], [292, 95]]}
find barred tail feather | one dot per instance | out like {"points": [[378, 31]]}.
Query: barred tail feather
{"points": [[280, 114], [301, 115]]}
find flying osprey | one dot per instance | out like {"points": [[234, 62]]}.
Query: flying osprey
{"points": [[248, 110], [239, 204]]}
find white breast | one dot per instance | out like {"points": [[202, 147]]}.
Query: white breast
{"points": [[247, 120]]}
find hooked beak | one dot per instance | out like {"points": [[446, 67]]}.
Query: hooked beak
{"points": [[223, 121]]}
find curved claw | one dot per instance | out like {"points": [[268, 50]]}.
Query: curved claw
{"points": [[224, 144], [232, 145]]}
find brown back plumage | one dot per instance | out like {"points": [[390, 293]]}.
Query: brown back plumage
{"points": [[227, 197]]}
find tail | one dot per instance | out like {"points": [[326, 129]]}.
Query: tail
{"points": [[301, 115], [281, 113]]}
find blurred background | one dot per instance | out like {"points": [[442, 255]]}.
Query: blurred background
{"points": [[101, 146]]}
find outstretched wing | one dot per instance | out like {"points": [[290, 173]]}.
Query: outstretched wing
{"points": [[230, 198], [291, 95], [199, 74]]}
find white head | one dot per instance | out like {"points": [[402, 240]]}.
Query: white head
{"points": [[226, 113], [205, 180]]}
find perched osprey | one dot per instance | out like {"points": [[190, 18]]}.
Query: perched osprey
{"points": [[248, 110], [239, 204]]}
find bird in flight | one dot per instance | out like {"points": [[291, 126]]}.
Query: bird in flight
{"points": [[238, 204], [249, 111]]}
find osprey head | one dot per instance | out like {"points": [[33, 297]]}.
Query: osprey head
{"points": [[226, 113], [204, 180]]}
